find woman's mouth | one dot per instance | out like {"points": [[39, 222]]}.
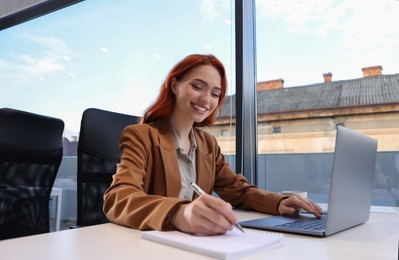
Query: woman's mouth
{"points": [[199, 108]]}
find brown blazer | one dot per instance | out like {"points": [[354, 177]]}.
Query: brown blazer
{"points": [[145, 188]]}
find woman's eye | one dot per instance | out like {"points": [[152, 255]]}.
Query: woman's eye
{"points": [[196, 86], [215, 95]]}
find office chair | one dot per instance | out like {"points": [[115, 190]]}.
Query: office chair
{"points": [[30, 155], [98, 154]]}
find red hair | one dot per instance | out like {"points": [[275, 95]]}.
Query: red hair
{"points": [[166, 100]]}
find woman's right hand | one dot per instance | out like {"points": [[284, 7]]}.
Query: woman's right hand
{"points": [[205, 215]]}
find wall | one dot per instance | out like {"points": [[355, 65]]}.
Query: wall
{"points": [[314, 135]]}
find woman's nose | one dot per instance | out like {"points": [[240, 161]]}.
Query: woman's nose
{"points": [[205, 97]]}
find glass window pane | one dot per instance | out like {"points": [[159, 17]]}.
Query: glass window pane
{"points": [[109, 55], [112, 55], [321, 64]]}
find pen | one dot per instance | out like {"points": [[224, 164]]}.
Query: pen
{"points": [[199, 191]]}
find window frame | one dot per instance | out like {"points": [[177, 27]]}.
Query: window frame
{"points": [[34, 11], [246, 97]]}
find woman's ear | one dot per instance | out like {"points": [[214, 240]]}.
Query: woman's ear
{"points": [[173, 84]]}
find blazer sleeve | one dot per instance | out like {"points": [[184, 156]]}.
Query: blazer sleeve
{"points": [[128, 200], [235, 189]]}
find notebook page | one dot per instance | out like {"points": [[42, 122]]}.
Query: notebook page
{"points": [[231, 245]]}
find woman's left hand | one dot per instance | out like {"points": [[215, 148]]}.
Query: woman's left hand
{"points": [[293, 204]]}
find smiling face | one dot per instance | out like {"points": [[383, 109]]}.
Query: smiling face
{"points": [[197, 95]]}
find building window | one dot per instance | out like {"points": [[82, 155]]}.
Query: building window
{"points": [[276, 129]]}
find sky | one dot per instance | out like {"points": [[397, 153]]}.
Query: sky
{"points": [[115, 56], [299, 40]]}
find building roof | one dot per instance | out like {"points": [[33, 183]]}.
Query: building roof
{"points": [[366, 91]]}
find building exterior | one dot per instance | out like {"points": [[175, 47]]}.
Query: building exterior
{"points": [[303, 119]]}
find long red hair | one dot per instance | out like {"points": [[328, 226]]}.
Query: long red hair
{"points": [[166, 100]]}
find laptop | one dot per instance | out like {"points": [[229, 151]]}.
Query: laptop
{"points": [[350, 191]]}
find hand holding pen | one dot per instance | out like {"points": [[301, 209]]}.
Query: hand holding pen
{"points": [[200, 192], [206, 215]]}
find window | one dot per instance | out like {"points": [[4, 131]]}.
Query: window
{"points": [[112, 56], [320, 65], [276, 129]]}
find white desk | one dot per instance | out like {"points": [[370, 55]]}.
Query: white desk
{"points": [[376, 239]]}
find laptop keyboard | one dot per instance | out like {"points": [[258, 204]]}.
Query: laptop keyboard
{"points": [[309, 224]]}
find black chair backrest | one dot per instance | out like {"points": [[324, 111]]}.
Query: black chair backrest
{"points": [[98, 154], [30, 155]]}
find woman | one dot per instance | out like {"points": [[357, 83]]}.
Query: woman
{"points": [[163, 155]]}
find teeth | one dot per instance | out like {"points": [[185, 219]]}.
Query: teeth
{"points": [[200, 108]]}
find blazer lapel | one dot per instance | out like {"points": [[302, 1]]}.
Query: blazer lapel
{"points": [[169, 158], [205, 173]]}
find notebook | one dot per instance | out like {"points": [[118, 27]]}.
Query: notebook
{"points": [[350, 191], [231, 245]]}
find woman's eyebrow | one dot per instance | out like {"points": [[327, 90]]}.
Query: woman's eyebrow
{"points": [[202, 81]]}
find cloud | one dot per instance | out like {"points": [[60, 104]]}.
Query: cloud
{"points": [[365, 31], [46, 55], [302, 16], [3, 64], [208, 46], [227, 21], [51, 45], [49, 58], [105, 50], [213, 8], [39, 66], [355, 18]]}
